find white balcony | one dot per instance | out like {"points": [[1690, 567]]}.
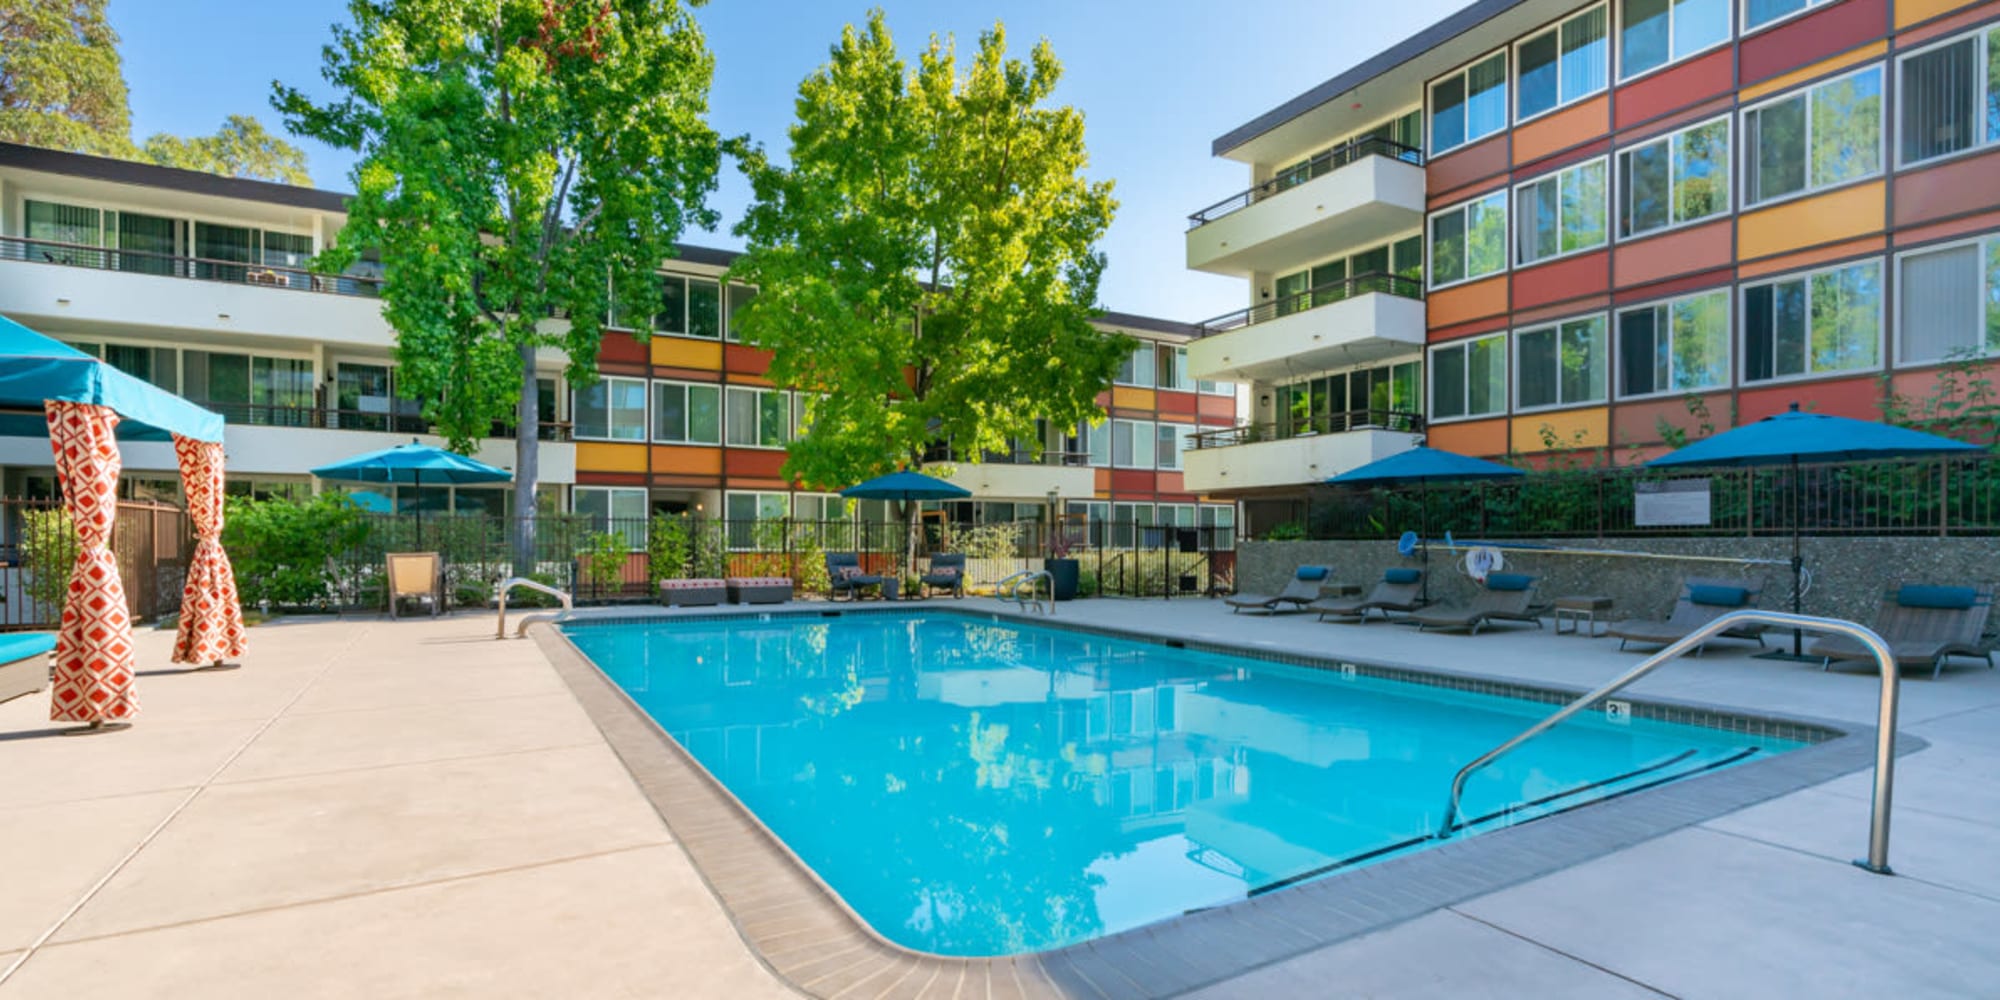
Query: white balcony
{"points": [[1367, 201], [1289, 462], [1362, 329], [1005, 481], [293, 451]]}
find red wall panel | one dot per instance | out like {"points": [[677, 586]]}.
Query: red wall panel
{"points": [[1570, 278], [1675, 88], [621, 348], [1805, 40]]}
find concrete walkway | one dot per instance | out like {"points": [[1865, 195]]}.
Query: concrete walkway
{"points": [[382, 809]]}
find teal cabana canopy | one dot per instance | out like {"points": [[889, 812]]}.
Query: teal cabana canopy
{"points": [[35, 369]]}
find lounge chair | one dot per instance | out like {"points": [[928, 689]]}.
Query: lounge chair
{"points": [[416, 575], [844, 576], [1505, 597], [24, 663], [1925, 626], [1701, 601], [1400, 590], [699, 592], [946, 573], [1302, 589], [759, 589]]}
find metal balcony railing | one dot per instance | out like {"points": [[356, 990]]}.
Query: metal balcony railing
{"points": [[1322, 163], [195, 268], [1321, 423], [1319, 295], [331, 418]]}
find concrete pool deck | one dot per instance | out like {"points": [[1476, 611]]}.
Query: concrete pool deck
{"points": [[412, 808]]}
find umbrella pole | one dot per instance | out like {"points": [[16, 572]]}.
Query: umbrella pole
{"points": [[1424, 527], [1798, 557]]}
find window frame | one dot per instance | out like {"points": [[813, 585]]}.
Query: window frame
{"points": [[610, 424], [1464, 344], [1618, 190], [1745, 29], [1516, 367], [1988, 288], [1983, 51], [1150, 368], [1180, 434], [1506, 245], [1742, 152], [1728, 380], [1556, 175], [687, 440], [757, 392], [1151, 436], [1431, 150], [1618, 75], [1555, 27], [1742, 321], [611, 507]]}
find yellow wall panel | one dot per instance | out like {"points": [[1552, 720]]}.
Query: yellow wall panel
{"points": [[684, 460], [1821, 68], [1838, 215], [603, 456], [1126, 397], [1594, 425], [680, 352], [1910, 12]]}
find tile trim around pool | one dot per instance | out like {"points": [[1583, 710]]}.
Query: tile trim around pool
{"points": [[808, 937]]}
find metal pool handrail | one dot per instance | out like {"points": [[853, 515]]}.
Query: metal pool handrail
{"points": [[1023, 589], [500, 593], [1885, 723]]}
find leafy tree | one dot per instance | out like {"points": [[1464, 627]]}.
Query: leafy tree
{"points": [[926, 263], [241, 148], [519, 160]]}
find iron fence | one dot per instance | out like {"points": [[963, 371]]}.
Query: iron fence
{"points": [[38, 546]]}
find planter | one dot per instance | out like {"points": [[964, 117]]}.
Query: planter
{"points": [[1063, 576]]}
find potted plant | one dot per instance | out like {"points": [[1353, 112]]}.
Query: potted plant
{"points": [[1063, 570]]}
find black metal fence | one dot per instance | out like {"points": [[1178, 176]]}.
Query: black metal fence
{"points": [[152, 543]]}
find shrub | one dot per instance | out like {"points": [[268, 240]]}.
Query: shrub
{"points": [[669, 549], [48, 551], [990, 541], [1289, 531], [281, 548], [602, 559]]}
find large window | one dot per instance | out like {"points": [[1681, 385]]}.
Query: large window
{"points": [[687, 413], [1382, 396], [1351, 274], [1653, 33], [1680, 345], [1566, 63], [250, 389], [1758, 13], [1562, 364], [1132, 444], [739, 296], [1948, 301], [1674, 179], [1561, 213], [1950, 97], [745, 512], [1091, 445], [1173, 439], [1814, 324], [758, 418], [612, 409], [1470, 104], [1172, 368], [621, 511], [1469, 378], [1138, 368], [1469, 240], [1829, 134]]}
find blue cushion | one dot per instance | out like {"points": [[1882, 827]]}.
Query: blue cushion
{"points": [[1508, 581], [1915, 595], [1312, 573], [1401, 576], [22, 645], [1716, 596]]}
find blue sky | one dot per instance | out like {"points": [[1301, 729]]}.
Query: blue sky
{"points": [[1157, 82]]}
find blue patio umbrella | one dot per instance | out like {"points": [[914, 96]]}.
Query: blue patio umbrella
{"points": [[35, 369], [416, 464], [1421, 467], [907, 487], [1793, 437]]}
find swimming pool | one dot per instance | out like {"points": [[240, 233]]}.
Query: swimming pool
{"points": [[976, 786]]}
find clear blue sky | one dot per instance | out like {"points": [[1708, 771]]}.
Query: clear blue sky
{"points": [[1157, 82]]}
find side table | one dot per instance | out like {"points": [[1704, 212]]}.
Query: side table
{"points": [[1579, 609]]}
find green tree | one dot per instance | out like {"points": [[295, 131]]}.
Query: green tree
{"points": [[241, 148], [519, 160], [926, 264]]}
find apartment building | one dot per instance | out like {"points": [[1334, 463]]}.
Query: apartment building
{"points": [[199, 284], [1548, 225]]}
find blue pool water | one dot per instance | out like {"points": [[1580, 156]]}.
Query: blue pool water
{"points": [[980, 788]]}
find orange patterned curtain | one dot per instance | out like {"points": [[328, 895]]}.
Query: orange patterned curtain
{"points": [[93, 681], [211, 626]]}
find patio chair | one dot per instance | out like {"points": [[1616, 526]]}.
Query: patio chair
{"points": [[1702, 600], [1302, 589], [1924, 625], [417, 575], [24, 663], [1505, 597], [1399, 590], [946, 573], [844, 576]]}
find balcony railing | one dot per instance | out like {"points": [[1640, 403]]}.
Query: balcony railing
{"points": [[330, 418], [1321, 164], [197, 268], [941, 452], [1324, 423], [1319, 295]]}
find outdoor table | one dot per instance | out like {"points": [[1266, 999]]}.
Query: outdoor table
{"points": [[1579, 609]]}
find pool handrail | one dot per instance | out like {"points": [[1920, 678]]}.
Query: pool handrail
{"points": [[500, 594], [1885, 724], [1023, 588]]}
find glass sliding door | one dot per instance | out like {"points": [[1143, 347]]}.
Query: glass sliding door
{"points": [[362, 400], [219, 248], [150, 243]]}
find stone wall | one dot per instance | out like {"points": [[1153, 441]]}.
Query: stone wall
{"points": [[1847, 575]]}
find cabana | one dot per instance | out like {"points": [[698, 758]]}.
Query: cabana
{"points": [[85, 407]]}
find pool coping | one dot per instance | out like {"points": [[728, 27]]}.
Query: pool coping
{"points": [[802, 931]]}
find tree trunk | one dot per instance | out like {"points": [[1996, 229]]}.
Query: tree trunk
{"points": [[527, 464]]}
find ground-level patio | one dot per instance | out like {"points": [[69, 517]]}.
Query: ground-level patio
{"points": [[412, 808]]}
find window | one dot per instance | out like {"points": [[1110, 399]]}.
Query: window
{"points": [[1758, 13], [1383, 396], [1566, 63], [704, 300], [739, 296], [1653, 33], [745, 512], [1173, 369], [1092, 445], [1469, 378], [687, 413], [1675, 179], [1950, 97], [1173, 439], [1677, 346], [1355, 274], [623, 511], [1562, 213], [1829, 321], [1562, 364], [247, 389], [613, 409], [1469, 240], [1138, 368], [758, 418], [1470, 104], [1222, 524], [1132, 444], [1827, 135], [1948, 301]]}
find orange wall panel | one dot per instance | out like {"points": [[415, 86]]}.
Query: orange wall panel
{"points": [[1594, 426], [1559, 281], [605, 456], [1478, 438], [1169, 482], [682, 460], [1980, 223], [1672, 89], [1218, 406], [1638, 422], [1807, 222], [1126, 397], [1810, 258], [1857, 397], [1467, 302], [1654, 258], [753, 462], [1559, 131], [1910, 12], [682, 352], [1963, 185], [1103, 481]]}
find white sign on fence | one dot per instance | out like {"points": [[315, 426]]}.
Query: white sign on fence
{"points": [[1674, 503]]}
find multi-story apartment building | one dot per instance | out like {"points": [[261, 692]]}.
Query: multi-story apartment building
{"points": [[1546, 225], [198, 284]]}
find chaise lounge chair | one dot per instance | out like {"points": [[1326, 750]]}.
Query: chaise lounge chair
{"points": [[946, 573], [1701, 601], [1925, 625], [844, 576], [1302, 589], [1506, 597], [24, 663], [1400, 590]]}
